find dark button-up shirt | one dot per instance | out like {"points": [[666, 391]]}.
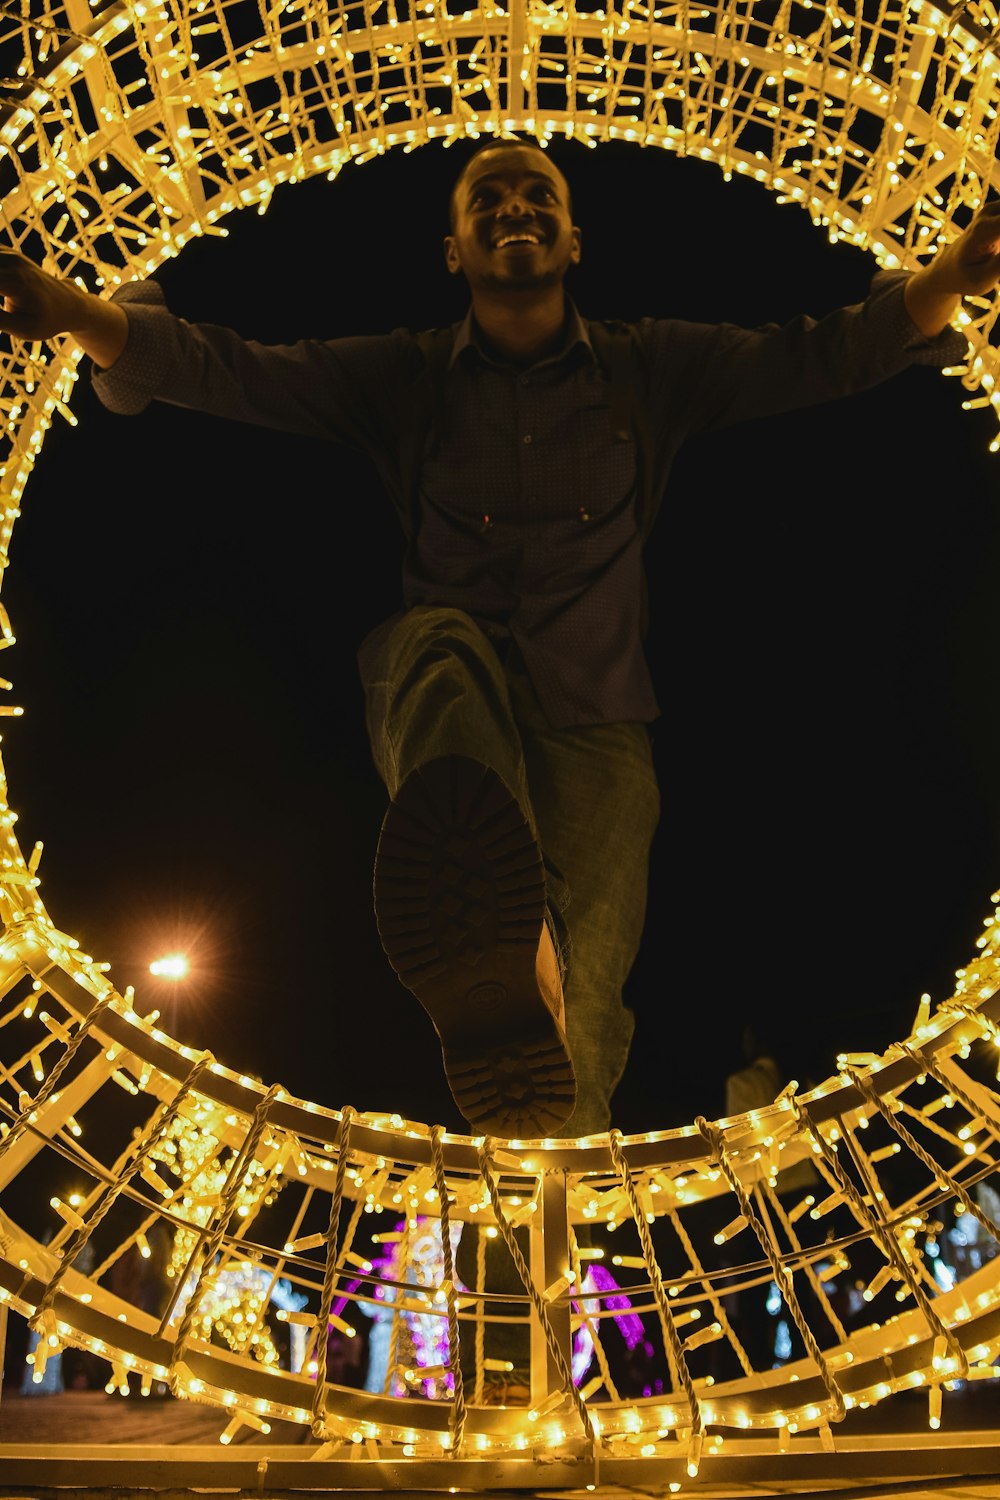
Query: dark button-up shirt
{"points": [[527, 513]]}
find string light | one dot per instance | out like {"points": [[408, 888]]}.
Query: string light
{"points": [[883, 127]]}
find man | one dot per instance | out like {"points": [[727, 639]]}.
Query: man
{"points": [[508, 702]]}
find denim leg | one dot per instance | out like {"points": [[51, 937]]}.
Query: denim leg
{"points": [[436, 686], [597, 805]]}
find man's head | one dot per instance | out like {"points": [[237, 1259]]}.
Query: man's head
{"points": [[511, 220]]}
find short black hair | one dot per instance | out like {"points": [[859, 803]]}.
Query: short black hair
{"points": [[495, 143]]}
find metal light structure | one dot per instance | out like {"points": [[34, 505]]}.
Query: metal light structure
{"points": [[130, 128]]}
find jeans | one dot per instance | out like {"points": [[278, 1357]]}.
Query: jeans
{"points": [[435, 685]]}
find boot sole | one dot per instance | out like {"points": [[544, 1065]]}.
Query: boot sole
{"points": [[459, 903]]}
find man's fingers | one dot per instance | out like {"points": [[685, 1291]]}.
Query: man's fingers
{"points": [[980, 242]]}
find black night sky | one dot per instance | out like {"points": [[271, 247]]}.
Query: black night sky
{"points": [[188, 596]]}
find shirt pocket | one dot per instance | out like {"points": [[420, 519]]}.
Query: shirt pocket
{"points": [[603, 463]]}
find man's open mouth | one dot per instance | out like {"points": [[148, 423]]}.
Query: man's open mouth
{"points": [[523, 238]]}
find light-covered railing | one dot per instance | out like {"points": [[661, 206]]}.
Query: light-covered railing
{"points": [[126, 131]]}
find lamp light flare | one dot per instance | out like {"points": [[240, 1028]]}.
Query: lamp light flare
{"points": [[170, 966]]}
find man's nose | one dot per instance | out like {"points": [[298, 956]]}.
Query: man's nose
{"points": [[516, 206]]}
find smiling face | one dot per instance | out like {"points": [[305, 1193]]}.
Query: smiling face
{"points": [[512, 227]]}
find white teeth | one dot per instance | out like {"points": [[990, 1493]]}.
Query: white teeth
{"points": [[517, 239]]}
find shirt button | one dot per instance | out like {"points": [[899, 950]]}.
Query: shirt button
{"points": [[527, 437], [522, 380]]}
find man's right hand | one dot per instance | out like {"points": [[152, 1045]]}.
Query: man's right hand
{"points": [[39, 306]]}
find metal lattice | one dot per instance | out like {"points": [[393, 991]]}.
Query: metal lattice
{"points": [[129, 129]]}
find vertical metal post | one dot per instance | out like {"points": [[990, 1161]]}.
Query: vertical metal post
{"points": [[516, 31], [3, 1344], [549, 1261]]}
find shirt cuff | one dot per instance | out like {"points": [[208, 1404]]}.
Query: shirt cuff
{"points": [[949, 347], [130, 384]]}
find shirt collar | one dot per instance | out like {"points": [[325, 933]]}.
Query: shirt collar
{"points": [[577, 337]]}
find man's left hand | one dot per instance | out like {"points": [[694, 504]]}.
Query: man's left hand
{"points": [[971, 264]]}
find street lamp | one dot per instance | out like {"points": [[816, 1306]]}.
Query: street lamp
{"points": [[170, 966]]}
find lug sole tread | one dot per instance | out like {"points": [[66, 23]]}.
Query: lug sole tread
{"points": [[460, 903]]}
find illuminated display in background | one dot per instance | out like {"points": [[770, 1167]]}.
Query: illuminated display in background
{"points": [[131, 128]]}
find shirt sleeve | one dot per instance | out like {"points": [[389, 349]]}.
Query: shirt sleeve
{"points": [[706, 376], [345, 390]]}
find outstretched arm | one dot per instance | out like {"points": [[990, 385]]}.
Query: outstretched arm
{"points": [[39, 306], [968, 266]]}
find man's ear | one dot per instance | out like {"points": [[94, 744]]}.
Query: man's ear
{"points": [[577, 249], [451, 259]]}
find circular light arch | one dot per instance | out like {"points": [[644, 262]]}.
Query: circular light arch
{"points": [[127, 130]]}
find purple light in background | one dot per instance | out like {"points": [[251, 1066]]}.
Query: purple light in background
{"points": [[599, 1282], [341, 1302], [599, 1279]]}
